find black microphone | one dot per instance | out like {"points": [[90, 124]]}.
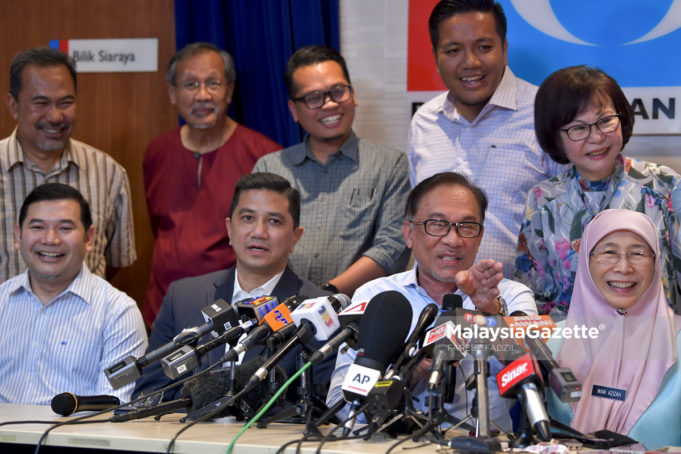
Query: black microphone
{"points": [[426, 318], [219, 315], [332, 345], [212, 392], [67, 403], [186, 358], [196, 393], [383, 328], [444, 347], [278, 319], [451, 302], [305, 331]]}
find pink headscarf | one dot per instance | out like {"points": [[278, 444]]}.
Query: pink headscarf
{"points": [[632, 351]]}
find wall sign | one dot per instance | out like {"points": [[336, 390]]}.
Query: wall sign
{"points": [[111, 55]]}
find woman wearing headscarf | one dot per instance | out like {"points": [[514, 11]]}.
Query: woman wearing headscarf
{"points": [[583, 118], [630, 370]]}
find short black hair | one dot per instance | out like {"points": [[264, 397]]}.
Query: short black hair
{"points": [[269, 182], [40, 56], [566, 93], [448, 8], [56, 191], [197, 48], [309, 55], [439, 179]]}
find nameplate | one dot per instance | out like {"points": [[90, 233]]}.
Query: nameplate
{"points": [[609, 393], [111, 55]]}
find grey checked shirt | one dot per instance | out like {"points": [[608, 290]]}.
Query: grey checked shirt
{"points": [[351, 206]]}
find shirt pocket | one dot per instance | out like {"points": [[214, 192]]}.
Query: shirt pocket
{"points": [[358, 215]]}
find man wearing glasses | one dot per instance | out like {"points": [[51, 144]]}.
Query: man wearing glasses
{"points": [[190, 172], [352, 191], [443, 226]]}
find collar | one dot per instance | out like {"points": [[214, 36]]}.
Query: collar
{"points": [[504, 97], [601, 185], [81, 286], [410, 279], [16, 155], [350, 149], [265, 289]]}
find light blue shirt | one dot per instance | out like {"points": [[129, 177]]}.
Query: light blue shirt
{"points": [[498, 152], [518, 298], [66, 344]]}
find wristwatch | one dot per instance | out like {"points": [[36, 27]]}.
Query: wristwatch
{"points": [[503, 308], [330, 287]]}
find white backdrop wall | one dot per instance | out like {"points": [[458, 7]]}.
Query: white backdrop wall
{"points": [[374, 44]]}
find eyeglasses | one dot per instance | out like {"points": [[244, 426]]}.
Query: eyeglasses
{"points": [[440, 227], [213, 86], [316, 99], [612, 257], [581, 132]]}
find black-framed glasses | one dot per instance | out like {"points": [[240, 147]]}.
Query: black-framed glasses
{"points": [[316, 99], [581, 132], [440, 227], [612, 257]]}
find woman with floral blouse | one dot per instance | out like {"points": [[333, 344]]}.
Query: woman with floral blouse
{"points": [[583, 118]]}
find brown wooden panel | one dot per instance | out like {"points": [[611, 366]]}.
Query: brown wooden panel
{"points": [[117, 112]]}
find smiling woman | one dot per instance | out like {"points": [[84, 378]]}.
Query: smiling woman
{"points": [[583, 118], [629, 372]]}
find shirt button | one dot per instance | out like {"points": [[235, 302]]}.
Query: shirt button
{"points": [[316, 254], [322, 199]]}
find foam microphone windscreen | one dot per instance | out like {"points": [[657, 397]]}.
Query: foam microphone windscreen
{"points": [[384, 326], [206, 389]]}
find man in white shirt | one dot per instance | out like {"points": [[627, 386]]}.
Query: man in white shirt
{"points": [[483, 125], [61, 325]]}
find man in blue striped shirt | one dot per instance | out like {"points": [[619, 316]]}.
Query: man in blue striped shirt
{"points": [[61, 325]]}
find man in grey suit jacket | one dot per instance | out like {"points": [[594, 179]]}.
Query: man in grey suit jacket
{"points": [[263, 228]]}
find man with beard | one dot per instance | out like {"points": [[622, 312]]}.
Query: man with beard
{"points": [[42, 99], [190, 172]]}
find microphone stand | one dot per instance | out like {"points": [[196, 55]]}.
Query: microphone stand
{"points": [[308, 406]]}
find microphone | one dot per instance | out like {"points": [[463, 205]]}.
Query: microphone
{"points": [[444, 347], [333, 304], [426, 318], [451, 302], [256, 308], [320, 313], [280, 320], [186, 358], [66, 404], [561, 379], [332, 345], [316, 317], [352, 313], [220, 317], [383, 328], [204, 390], [520, 377]]}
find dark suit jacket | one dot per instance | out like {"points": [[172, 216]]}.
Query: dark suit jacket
{"points": [[181, 309]]}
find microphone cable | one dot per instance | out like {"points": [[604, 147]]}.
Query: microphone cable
{"points": [[328, 436]]}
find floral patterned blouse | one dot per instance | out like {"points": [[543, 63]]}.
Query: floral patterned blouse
{"points": [[558, 209]]}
